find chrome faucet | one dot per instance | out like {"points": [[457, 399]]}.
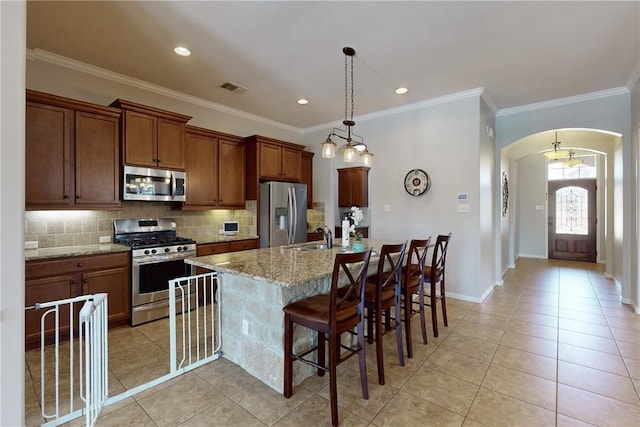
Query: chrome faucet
{"points": [[327, 237]]}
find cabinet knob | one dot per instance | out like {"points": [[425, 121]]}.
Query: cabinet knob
{"points": [[73, 282], [79, 265], [85, 281], [159, 161], [66, 196], [77, 197]]}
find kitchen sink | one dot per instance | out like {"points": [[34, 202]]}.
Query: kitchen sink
{"points": [[310, 247]]}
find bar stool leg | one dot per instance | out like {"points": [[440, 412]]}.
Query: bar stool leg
{"points": [[422, 316], [288, 361], [408, 308], [434, 309], [362, 360], [334, 349], [399, 329]]}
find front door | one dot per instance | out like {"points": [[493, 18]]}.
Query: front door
{"points": [[572, 219]]}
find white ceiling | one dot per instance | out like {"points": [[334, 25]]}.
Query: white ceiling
{"points": [[521, 52]]}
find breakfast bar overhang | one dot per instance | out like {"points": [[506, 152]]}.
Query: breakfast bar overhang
{"points": [[254, 286]]}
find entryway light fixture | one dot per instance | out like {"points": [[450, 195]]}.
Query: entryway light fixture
{"points": [[572, 161], [556, 154], [351, 147]]}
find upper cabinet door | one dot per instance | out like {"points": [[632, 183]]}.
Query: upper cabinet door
{"points": [[270, 161], [291, 167], [201, 155], [140, 135], [231, 175], [170, 151], [48, 154], [97, 153]]}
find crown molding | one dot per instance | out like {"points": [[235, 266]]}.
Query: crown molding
{"points": [[634, 79], [403, 109], [564, 101], [52, 58]]}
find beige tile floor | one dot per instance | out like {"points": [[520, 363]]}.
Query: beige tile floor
{"points": [[552, 347]]}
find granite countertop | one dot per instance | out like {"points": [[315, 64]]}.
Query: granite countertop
{"points": [[68, 251], [283, 265], [212, 236]]}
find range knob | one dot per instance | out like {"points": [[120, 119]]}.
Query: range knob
{"points": [[146, 252], [186, 248], [153, 251], [179, 248], [167, 249]]}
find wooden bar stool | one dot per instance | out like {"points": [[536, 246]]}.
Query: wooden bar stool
{"points": [[382, 292], [412, 283], [435, 273], [331, 315]]}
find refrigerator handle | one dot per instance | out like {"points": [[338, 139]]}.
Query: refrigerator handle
{"points": [[290, 219], [294, 227]]}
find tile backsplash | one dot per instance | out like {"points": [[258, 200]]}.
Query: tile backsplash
{"points": [[72, 228]]}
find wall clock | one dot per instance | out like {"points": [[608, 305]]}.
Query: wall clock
{"points": [[417, 182], [505, 193]]}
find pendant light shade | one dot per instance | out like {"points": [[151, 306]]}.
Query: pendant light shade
{"points": [[349, 153], [328, 148], [351, 148]]}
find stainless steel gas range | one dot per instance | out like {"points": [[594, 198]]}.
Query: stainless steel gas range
{"points": [[157, 256]]}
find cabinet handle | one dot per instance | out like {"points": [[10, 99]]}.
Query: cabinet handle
{"points": [[85, 281], [73, 282], [79, 265], [159, 161], [66, 196], [77, 197]]}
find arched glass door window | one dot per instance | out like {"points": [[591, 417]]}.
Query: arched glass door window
{"points": [[572, 211]]}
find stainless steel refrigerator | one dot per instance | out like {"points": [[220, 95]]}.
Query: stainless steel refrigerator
{"points": [[283, 213]]}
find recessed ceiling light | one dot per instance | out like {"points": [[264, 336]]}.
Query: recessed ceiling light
{"points": [[303, 101], [182, 51], [402, 90]]}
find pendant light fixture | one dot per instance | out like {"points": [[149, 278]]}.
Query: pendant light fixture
{"points": [[556, 154], [351, 148], [572, 161]]}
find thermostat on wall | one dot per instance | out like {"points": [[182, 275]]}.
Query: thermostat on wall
{"points": [[230, 228]]}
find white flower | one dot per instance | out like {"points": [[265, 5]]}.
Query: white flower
{"points": [[356, 215]]}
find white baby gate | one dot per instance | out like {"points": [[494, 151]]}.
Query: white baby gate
{"points": [[92, 364], [195, 339]]}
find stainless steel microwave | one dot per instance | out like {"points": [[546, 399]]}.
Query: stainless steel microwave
{"points": [[154, 184]]}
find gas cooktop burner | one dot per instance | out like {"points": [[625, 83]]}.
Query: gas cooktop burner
{"points": [[151, 242]]}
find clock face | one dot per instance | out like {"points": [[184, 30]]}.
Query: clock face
{"points": [[417, 182]]}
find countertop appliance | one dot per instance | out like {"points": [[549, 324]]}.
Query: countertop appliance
{"points": [[154, 184], [283, 213], [157, 256]]}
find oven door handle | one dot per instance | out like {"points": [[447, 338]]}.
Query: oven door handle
{"points": [[158, 260]]}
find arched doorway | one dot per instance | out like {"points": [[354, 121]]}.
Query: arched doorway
{"points": [[529, 216]]}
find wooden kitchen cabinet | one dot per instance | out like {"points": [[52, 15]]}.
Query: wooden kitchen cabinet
{"points": [[224, 247], [215, 166], [353, 187], [307, 176], [271, 160], [72, 154], [152, 137], [62, 278]]}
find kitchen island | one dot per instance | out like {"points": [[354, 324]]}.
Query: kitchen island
{"points": [[254, 287]]}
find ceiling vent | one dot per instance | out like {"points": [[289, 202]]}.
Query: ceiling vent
{"points": [[235, 88]]}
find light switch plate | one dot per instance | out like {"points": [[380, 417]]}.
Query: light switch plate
{"points": [[539, 207], [386, 208], [105, 239], [463, 208]]}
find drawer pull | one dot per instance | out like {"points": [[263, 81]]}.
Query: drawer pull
{"points": [[79, 265]]}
